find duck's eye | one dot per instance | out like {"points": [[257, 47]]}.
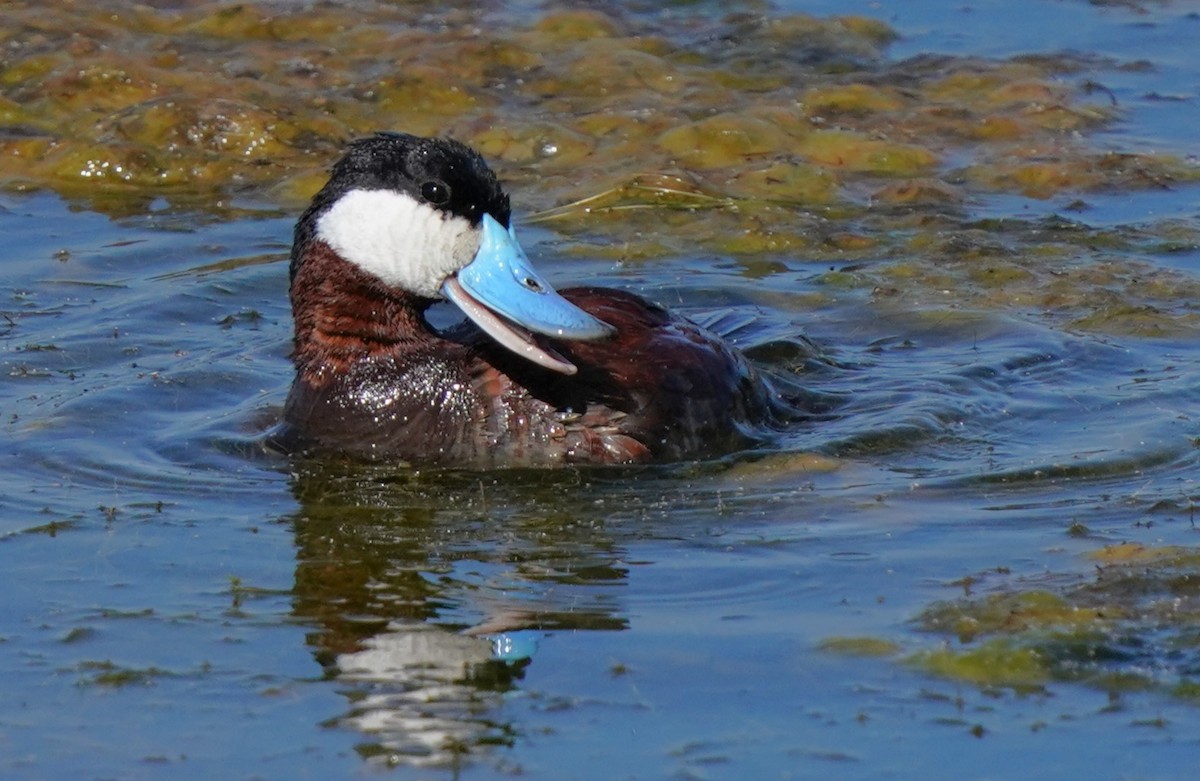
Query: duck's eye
{"points": [[435, 192]]}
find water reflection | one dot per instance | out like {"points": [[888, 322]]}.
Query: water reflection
{"points": [[408, 577], [427, 594], [426, 695]]}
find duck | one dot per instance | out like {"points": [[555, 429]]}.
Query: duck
{"points": [[532, 377]]}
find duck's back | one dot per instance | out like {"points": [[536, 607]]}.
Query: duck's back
{"points": [[664, 388]]}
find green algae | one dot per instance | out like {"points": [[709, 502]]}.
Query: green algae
{"points": [[1111, 632], [1008, 614], [859, 646], [1174, 556], [794, 137], [994, 663], [284, 87], [110, 675]]}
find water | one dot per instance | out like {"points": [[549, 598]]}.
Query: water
{"points": [[180, 604]]}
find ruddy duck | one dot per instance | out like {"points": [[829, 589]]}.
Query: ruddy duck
{"points": [[536, 378]]}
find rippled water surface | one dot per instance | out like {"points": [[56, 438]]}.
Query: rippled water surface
{"points": [[980, 560]]}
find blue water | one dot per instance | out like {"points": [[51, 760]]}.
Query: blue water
{"points": [[179, 604]]}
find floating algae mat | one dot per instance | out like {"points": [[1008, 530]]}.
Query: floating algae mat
{"points": [[1112, 631], [637, 135], [1133, 626]]}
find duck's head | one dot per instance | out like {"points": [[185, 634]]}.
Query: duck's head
{"points": [[427, 216]]}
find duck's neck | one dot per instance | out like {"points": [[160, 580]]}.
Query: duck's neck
{"points": [[344, 315]]}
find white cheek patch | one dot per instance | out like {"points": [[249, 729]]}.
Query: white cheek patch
{"points": [[407, 244]]}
